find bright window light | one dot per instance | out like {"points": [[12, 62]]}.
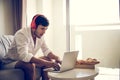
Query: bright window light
{"points": [[94, 12], [86, 15]]}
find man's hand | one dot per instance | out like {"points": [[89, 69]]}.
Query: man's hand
{"points": [[54, 57], [57, 66], [49, 64], [58, 61]]}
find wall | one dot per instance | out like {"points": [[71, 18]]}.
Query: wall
{"points": [[6, 22], [59, 28], [103, 45]]}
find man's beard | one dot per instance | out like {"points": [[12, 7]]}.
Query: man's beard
{"points": [[38, 36]]}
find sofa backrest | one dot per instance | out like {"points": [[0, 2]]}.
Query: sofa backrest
{"points": [[5, 43]]}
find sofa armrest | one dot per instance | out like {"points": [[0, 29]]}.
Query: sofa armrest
{"points": [[11, 74]]}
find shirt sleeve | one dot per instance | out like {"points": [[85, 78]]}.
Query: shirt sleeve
{"points": [[44, 48], [22, 47]]}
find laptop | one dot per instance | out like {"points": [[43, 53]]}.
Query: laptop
{"points": [[68, 62]]}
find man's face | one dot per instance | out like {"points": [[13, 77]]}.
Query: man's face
{"points": [[40, 31]]}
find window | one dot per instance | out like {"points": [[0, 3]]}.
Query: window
{"points": [[87, 12], [91, 15]]}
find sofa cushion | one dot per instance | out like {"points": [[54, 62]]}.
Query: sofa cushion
{"points": [[5, 42], [11, 74], [16, 74]]}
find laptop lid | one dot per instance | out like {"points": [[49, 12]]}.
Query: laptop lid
{"points": [[69, 60]]}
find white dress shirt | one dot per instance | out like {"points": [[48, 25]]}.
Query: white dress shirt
{"points": [[23, 47]]}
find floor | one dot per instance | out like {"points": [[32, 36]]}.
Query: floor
{"points": [[107, 77], [108, 74]]}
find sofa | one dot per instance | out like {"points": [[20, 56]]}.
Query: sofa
{"points": [[10, 74]]}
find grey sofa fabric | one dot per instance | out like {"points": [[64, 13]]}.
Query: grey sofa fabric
{"points": [[15, 74], [5, 42], [11, 74]]}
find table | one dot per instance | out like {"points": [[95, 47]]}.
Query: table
{"points": [[74, 74]]}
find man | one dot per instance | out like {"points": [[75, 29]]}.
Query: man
{"points": [[27, 42]]}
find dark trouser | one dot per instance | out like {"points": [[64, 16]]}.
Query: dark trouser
{"points": [[44, 74]]}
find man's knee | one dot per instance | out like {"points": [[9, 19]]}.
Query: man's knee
{"points": [[30, 67], [26, 66]]}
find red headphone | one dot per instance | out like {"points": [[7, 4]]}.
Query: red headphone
{"points": [[33, 24]]}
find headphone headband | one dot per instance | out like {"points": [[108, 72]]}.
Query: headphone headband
{"points": [[33, 24]]}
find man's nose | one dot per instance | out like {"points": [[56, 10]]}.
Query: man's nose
{"points": [[44, 31]]}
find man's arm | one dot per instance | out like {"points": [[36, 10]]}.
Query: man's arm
{"points": [[41, 62], [52, 56], [44, 63]]}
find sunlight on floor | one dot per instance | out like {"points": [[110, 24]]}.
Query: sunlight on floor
{"points": [[107, 77], [108, 74]]}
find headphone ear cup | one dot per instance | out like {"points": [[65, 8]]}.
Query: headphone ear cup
{"points": [[33, 24]]}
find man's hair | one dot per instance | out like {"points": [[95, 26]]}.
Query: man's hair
{"points": [[41, 20]]}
